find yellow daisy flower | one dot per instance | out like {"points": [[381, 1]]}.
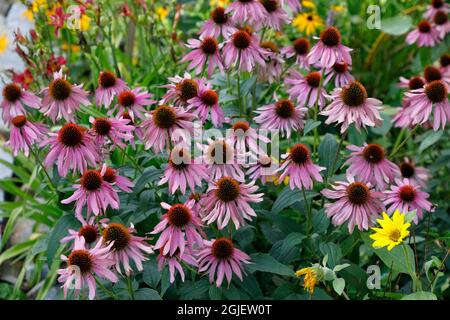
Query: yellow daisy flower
{"points": [[162, 13], [307, 22], [310, 280], [3, 42], [392, 232], [28, 14]]}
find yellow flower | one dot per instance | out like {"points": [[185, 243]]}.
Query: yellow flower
{"points": [[38, 4], [28, 14], [84, 22], [3, 42], [338, 8], [162, 13], [307, 22], [219, 3], [392, 232], [309, 282], [308, 4]]}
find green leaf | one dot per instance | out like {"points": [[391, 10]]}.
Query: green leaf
{"points": [[215, 293], [430, 138], [147, 294], [16, 250], [327, 153], [194, 290], [66, 222], [288, 197], [320, 221], [397, 25], [149, 175], [266, 263], [310, 125], [421, 295], [285, 250], [339, 285], [394, 258], [333, 251], [151, 275]]}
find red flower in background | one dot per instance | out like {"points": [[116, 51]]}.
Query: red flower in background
{"points": [[55, 64], [25, 78], [57, 20]]}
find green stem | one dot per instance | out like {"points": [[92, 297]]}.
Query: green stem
{"points": [[416, 283], [132, 160], [239, 84], [398, 147], [35, 156], [316, 111], [130, 287], [308, 213], [108, 292]]}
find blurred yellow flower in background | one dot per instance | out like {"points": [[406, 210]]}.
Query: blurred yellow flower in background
{"points": [[309, 282], [3, 42], [28, 14], [162, 13], [37, 5], [338, 8], [307, 22], [219, 3], [308, 4], [84, 22]]}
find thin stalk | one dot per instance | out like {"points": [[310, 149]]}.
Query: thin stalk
{"points": [[108, 292], [399, 146], [239, 84], [316, 111], [130, 288], [52, 185], [308, 213]]}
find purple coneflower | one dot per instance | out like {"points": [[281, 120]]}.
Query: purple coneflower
{"points": [[133, 102], [276, 17], [179, 228], [350, 104], [110, 175], [329, 49], [88, 230], [125, 246], [406, 197], [294, 5], [417, 175], [221, 160], [244, 137], [115, 130], [14, 99], [24, 134], [440, 19], [433, 98], [264, 169], [109, 86], [305, 89], [247, 12], [71, 148], [82, 264], [227, 199], [341, 74], [300, 49], [412, 83], [282, 115], [434, 7], [206, 104], [163, 122], [220, 258], [425, 35], [205, 53], [299, 168], [274, 63], [181, 90], [242, 49], [62, 98], [369, 164], [173, 261], [218, 25], [95, 192], [182, 172], [356, 203]]}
